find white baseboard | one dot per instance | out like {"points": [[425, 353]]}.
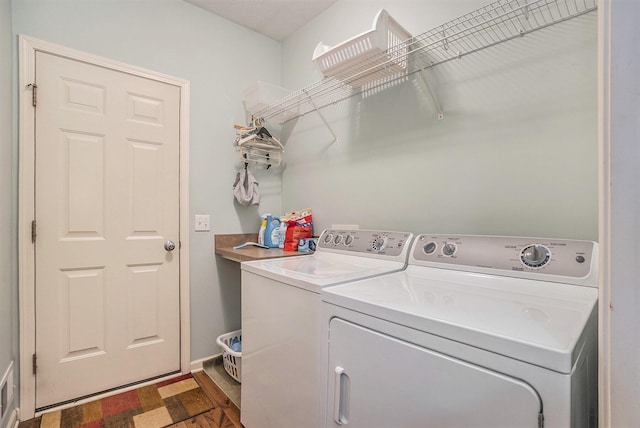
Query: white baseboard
{"points": [[198, 365]]}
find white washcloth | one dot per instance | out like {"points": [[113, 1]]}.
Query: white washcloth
{"points": [[245, 188]]}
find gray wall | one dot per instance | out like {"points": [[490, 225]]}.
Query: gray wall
{"points": [[8, 285], [516, 153], [220, 59]]}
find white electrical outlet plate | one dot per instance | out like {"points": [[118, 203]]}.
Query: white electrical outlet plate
{"points": [[203, 223]]}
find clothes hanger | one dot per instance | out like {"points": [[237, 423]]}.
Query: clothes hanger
{"points": [[257, 144], [257, 135], [261, 156]]}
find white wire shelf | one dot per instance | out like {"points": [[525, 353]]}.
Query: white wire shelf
{"points": [[488, 26]]}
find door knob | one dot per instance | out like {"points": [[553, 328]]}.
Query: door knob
{"points": [[169, 246]]}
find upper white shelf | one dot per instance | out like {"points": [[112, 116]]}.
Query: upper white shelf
{"points": [[488, 26]]}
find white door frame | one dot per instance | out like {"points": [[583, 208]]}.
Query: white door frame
{"points": [[619, 109], [26, 207], [604, 212]]}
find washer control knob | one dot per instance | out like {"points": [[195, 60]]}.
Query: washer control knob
{"points": [[449, 249], [429, 247], [379, 243], [535, 256], [348, 240], [337, 239], [327, 238]]}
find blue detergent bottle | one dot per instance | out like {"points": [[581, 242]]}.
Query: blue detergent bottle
{"points": [[272, 232]]}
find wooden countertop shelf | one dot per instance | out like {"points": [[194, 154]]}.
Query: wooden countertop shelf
{"points": [[224, 247]]}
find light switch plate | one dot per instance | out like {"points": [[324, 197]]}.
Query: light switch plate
{"points": [[203, 223]]}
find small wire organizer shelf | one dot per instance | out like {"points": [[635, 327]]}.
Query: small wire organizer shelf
{"points": [[498, 22]]}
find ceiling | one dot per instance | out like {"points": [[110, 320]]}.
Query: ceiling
{"points": [[276, 19]]}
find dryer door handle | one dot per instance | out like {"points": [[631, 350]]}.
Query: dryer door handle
{"points": [[341, 396]]}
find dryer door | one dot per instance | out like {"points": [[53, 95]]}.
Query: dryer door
{"points": [[380, 381]]}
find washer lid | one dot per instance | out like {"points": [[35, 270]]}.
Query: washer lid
{"points": [[321, 269], [532, 321]]}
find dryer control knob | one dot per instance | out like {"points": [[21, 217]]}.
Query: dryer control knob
{"points": [[535, 256], [429, 247], [379, 243], [449, 249]]}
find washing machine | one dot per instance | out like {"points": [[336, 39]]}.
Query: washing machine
{"points": [[281, 328], [477, 331]]}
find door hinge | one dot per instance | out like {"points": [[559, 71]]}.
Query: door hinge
{"points": [[540, 420], [33, 231], [34, 93], [34, 365]]}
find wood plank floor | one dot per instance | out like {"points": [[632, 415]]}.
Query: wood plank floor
{"points": [[225, 415]]}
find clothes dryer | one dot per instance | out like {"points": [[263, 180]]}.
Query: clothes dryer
{"points": [[478, 331], [281, 321]]}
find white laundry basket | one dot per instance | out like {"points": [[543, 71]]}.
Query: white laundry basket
{"points": [[386, 33], [231, 359]]}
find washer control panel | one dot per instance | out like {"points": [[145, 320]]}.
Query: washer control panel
{"points": [[563, 257], [365, 241]]}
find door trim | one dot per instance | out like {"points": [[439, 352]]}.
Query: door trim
{"points": [[26, 207]]}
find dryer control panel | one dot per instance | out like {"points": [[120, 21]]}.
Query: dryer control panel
{"points": [[545, 258], [365, 241]]}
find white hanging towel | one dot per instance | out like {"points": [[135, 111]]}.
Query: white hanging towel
{"points": [[245, 188]]}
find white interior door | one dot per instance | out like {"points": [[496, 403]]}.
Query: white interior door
{"points": [[106, 200], [378, 381]]}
